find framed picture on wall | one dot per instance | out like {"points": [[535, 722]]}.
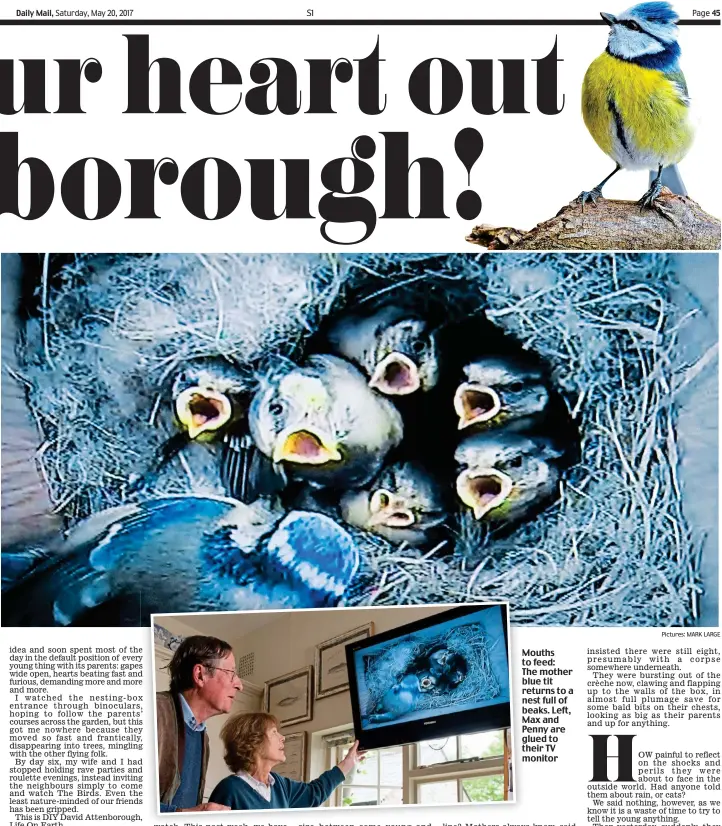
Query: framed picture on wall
{"points": [[331, 673], [295, 765], [289, 697]]}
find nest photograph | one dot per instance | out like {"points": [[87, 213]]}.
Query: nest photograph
{"points": [[229, 432], [463, 666]]}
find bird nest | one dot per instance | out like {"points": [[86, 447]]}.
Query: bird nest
{"points": [[615, 549], [386, 668]]}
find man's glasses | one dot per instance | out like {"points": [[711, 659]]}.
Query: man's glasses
{"points": [[218, 668]]}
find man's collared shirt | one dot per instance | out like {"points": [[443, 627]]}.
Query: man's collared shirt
{"points": [[262, 789], [188, 716]]}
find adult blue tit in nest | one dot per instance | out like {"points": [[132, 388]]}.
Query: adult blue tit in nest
{"points": [[177, 554], [394, 345], [635, 101], [401, 699], [405, 503], [324, 424], [506, 477], [500, 391]]}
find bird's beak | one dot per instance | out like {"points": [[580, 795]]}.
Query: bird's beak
{"points": [[200, 410], [389, 510], [475, 403], [483, 489], [609, 19], [306, 446], [396, 375]]}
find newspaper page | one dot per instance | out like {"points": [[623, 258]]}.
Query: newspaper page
{"points": [[360, 413]]}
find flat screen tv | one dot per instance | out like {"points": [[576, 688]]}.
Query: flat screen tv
{"points": [[437, 677]]}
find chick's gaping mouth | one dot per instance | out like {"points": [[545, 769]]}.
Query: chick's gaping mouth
{"points": [[389, 510], [396, 375], [305, 447], [483, 490], [200, 410], [475, 404], [203, 409]]}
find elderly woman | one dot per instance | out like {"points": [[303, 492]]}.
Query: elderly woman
{"points": [[254, 745]]}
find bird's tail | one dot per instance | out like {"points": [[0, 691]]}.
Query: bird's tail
{"points": [[671, 179]]}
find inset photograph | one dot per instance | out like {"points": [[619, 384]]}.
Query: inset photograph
{"points": [[335, 708]]}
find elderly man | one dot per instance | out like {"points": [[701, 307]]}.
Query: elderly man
{"points": [[203, 683]]}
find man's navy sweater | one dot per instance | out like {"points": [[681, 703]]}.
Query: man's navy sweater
{"points": [[285, 793], [190, 776]]}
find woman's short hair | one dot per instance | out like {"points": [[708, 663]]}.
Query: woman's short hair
{"points": [[242, 736], [192, 652]]}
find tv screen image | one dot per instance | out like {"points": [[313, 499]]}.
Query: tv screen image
{"points": [[436, 677]]}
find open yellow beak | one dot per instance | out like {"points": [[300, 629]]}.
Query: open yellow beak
{"points": [[202, 411], [475, 403], [306, 446], [389, 510], [483, 489], [396, 375]]}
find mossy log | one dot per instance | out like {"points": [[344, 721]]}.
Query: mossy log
{"points": [[675, 223]]}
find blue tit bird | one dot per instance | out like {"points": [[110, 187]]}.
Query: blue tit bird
{"points": [[178, 554], [634, 99], [402, 698], [405, 503], [506, 477], [324, 424]]}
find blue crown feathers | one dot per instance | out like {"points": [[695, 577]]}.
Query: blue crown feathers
{"points": [[661, 13]]}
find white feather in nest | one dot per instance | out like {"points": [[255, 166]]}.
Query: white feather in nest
{"points": [[617, 548]]}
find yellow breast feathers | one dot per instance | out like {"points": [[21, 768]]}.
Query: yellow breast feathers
{"points": [[637, 116]]}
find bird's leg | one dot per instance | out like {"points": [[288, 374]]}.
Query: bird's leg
{"points": [[651, 195], [593, 194]]}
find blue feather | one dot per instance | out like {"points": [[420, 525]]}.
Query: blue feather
{"points": [[657, 12], [314, 547], [665, 61]]}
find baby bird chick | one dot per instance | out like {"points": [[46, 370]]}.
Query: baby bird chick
{"points": [[405, 504], [324, 424], [500, 391], [209, 397], [506, 477], [394, 346]]}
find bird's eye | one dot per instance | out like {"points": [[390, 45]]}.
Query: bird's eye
{"points": [[630, 24], [276, 408], [516, 387], [515, 462], [418, 346]]}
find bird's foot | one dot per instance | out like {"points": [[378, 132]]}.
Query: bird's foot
{"points": [[650, 196], [592, 196]]}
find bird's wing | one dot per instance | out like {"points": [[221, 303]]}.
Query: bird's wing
{"points": [[111, 560], [316, 550], [676, 76], [246, 474]]}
